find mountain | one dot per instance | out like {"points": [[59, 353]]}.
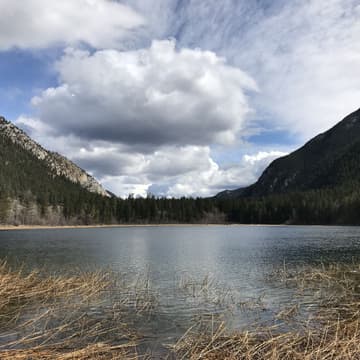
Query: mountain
{"points": [[329, 160], [41, 187], [59, 165]]}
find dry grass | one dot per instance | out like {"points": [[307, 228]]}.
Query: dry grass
{"points": [[339, 340], [67, 317], [332, 330], [19, 290], [97, 351], [89, 316], [207, 291]]}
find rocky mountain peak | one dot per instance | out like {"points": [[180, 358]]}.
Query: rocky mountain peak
{"points": [[59, 165]]}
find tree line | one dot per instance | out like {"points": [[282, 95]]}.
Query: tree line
{"points": [[31, 194]]}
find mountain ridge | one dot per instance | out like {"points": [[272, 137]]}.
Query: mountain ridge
{"points": [[60, 165], [325, 161]]}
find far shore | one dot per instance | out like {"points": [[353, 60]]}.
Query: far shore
{"points": [[40, 227]]}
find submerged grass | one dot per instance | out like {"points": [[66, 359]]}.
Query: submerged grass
{"points": [[331, 330], [67, 317], [19, 290], [91, 316]]}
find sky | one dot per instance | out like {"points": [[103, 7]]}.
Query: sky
{"points": [[177, 97]]}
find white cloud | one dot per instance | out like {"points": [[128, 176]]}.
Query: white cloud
{"points": [[162, 168], [169, 170], [259, 157], [42, 23], [156, 96], [304, 55], [217, 178], [125, 186], [309, 64], [174, 171]]}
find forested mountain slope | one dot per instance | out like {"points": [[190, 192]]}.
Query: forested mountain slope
{"points": [[37, 186], [329, 160], [58, 164]]}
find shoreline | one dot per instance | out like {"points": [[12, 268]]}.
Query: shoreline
{"points": [[54, 227], [40, 227]]}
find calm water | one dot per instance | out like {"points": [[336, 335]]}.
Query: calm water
{"points": [[237, 258]]}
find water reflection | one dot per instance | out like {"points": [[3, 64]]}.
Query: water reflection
{"points": [[231, 253], [237, 258]]}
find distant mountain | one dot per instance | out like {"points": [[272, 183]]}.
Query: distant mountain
{"points": [[59, 165], [329, 160]]}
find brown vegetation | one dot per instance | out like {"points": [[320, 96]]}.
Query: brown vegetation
{"points": [[65, 317], [331, 330], [88, 316]]}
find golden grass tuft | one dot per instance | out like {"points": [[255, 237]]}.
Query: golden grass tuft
{"points": [[97, 351], [63, 317], [19, 290]]}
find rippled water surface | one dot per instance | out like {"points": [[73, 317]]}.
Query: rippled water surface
{"points": [[235, 259]]}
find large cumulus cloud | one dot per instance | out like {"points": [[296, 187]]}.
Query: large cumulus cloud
{"points": [[145, 119], [153, 96]]}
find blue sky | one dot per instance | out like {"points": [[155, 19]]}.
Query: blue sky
{"points": [[178, 97]]}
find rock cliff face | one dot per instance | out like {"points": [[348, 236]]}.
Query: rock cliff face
{"points": [[328, 160], [59, 165]]}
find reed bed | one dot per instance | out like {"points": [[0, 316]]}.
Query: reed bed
{"points": [[87, 316], [19, 290], [98, 315], [331, 330]]}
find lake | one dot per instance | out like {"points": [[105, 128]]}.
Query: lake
{"points": [[232, 262]]}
